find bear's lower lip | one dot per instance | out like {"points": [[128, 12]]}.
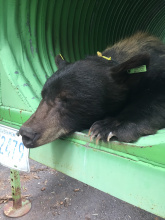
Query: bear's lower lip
{"points": [[28, 143]]}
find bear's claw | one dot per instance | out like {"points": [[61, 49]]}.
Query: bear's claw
{"points": [[98, 138], [89, 132], [103, 130], [93, 135], [110, 136]]}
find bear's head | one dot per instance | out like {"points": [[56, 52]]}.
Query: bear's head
{"points": [[79, 94]]}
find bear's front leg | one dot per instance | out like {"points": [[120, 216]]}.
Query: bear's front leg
{"points": [[136, 120]]}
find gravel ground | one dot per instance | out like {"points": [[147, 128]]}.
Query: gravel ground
{"points": [[57, 196]]}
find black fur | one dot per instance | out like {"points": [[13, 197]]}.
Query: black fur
{"points": [[101, 94]]}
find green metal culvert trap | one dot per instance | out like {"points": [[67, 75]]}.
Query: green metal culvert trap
{"points": [[32, 33]]}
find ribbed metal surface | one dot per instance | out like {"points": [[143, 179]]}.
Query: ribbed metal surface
{"points": [[34, 31]]}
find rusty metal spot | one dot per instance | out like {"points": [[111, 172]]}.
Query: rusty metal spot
{"points": [[11, 211]]}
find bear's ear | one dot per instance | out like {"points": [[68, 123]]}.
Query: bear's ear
{"points": [[132, 70], [60, 62]]}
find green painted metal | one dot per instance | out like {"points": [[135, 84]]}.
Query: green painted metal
{"points": [[149, 149], [16, 188], [32, 33], [127, 178], [14, 101], [13, 115]]}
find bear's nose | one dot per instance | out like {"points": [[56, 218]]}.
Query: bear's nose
{"points": [[28, 136]]}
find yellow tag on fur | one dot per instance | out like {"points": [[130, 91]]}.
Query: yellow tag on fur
{"points": [[99, 54], [61, 57]]}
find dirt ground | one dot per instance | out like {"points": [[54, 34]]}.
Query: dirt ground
{"points": [[57, 196]]}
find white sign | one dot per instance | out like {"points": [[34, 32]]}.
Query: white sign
{"points": [[13, 153]]}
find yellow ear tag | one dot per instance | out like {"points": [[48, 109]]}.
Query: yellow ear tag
{"points": [[61, 57], [99, 54]]}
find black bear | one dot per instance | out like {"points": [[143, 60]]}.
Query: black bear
{"points": [[119, 93]]}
